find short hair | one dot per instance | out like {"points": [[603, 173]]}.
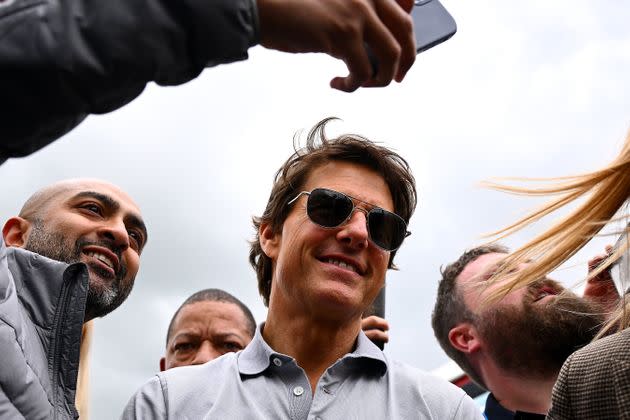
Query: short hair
{"points": [[450, 308], [318, 151], [214, 295]]}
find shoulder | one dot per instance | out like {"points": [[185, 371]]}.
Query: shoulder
{"points": [[186, 389], [594, 360], [443, 399], [613, 347], [181, 392], [191, 376], [591, 376], [427, 384]]}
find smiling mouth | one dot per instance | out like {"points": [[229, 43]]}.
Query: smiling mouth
{"points": [[102, 259], [341, 264]]}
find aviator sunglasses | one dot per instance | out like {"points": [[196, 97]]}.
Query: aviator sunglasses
{"points": [[331, 209]]}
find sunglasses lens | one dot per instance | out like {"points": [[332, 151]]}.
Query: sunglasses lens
{"points": [[328, 208], [387, 230]]}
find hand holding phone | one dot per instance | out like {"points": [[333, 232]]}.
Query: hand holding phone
{"points": [[432, 25], [341, 29]]}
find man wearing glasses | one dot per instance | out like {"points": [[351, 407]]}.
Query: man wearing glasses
{"points": [[337, 213]]}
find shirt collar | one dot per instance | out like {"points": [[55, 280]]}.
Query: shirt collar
{"points": [[258, 355]]}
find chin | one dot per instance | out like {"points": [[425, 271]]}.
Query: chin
{"points": [[338, 304]]}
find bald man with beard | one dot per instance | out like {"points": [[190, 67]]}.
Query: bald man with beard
{"points": [[71, 255]]}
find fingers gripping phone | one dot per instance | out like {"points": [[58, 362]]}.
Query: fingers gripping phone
{"points": [[432, 25]]}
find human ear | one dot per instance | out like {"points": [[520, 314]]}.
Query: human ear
{"points": [[269, 241], [464, 338], [162, 364], [15, 232]]}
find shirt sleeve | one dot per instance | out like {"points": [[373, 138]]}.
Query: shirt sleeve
{"points": [[61, 60], [149, 402]]}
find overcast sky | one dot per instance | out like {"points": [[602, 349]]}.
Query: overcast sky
{"points": [[534, 88]]}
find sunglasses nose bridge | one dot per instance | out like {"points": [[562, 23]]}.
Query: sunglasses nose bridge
{"points": [[356, 208], [361, 209], [355, 228]]}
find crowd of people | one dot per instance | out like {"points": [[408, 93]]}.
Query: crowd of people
{"points": [[337, 213]]}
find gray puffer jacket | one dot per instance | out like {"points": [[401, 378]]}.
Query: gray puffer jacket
{"points": [[42, 304], [61, 60]]}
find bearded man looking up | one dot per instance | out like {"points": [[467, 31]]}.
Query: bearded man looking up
{"points": [[70, 256], [516, 347]]}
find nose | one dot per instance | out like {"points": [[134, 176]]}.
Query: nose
{"points": [[115, 231], [354, 232], [205, 353]]}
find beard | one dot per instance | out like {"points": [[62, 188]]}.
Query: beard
{"points": [[535, 340], [105, 292]]}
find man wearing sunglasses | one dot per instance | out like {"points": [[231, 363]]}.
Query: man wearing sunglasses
{"points": [[337, 213]]}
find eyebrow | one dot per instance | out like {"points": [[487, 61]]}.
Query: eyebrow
{"points": [[132, 218]]}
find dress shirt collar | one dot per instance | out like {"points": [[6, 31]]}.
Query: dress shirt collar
{"points": [[258, 355]]}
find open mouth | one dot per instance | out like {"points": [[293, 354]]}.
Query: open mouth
{"points": [[545, 291], [343, 264], [103, 258]]}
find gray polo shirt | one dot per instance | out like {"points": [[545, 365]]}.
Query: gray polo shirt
{"points": [[259, 383]]}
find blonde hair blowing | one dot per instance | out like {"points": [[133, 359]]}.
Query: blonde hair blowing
{"points": [[619, 319], [604, 191]]}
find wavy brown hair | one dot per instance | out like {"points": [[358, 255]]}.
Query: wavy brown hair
{"points": [[317, 151]]}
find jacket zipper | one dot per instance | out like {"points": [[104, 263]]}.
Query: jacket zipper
{"points": [[56, 362]]}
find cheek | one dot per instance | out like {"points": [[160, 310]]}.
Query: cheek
{"points": [[381, 260], [133, 263], [299, 234], [515, 298]]}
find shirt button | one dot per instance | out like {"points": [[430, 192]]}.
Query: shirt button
{"points": [[277, 361], [298, 390]]}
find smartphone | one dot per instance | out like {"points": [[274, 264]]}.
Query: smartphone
{"points": [[432, 25]]}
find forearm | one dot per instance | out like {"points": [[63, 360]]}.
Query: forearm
{"points": [[62, 60]]}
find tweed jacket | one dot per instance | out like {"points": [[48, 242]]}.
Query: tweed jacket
{"points": [[594, 382]]}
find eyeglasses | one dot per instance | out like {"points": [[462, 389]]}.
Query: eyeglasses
{"points": [[331, 209]]}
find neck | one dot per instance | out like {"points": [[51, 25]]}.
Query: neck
{"points": [[314, 344], [518, 393]]}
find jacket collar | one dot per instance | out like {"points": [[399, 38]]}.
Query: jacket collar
{"points": [[39, 281]]}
